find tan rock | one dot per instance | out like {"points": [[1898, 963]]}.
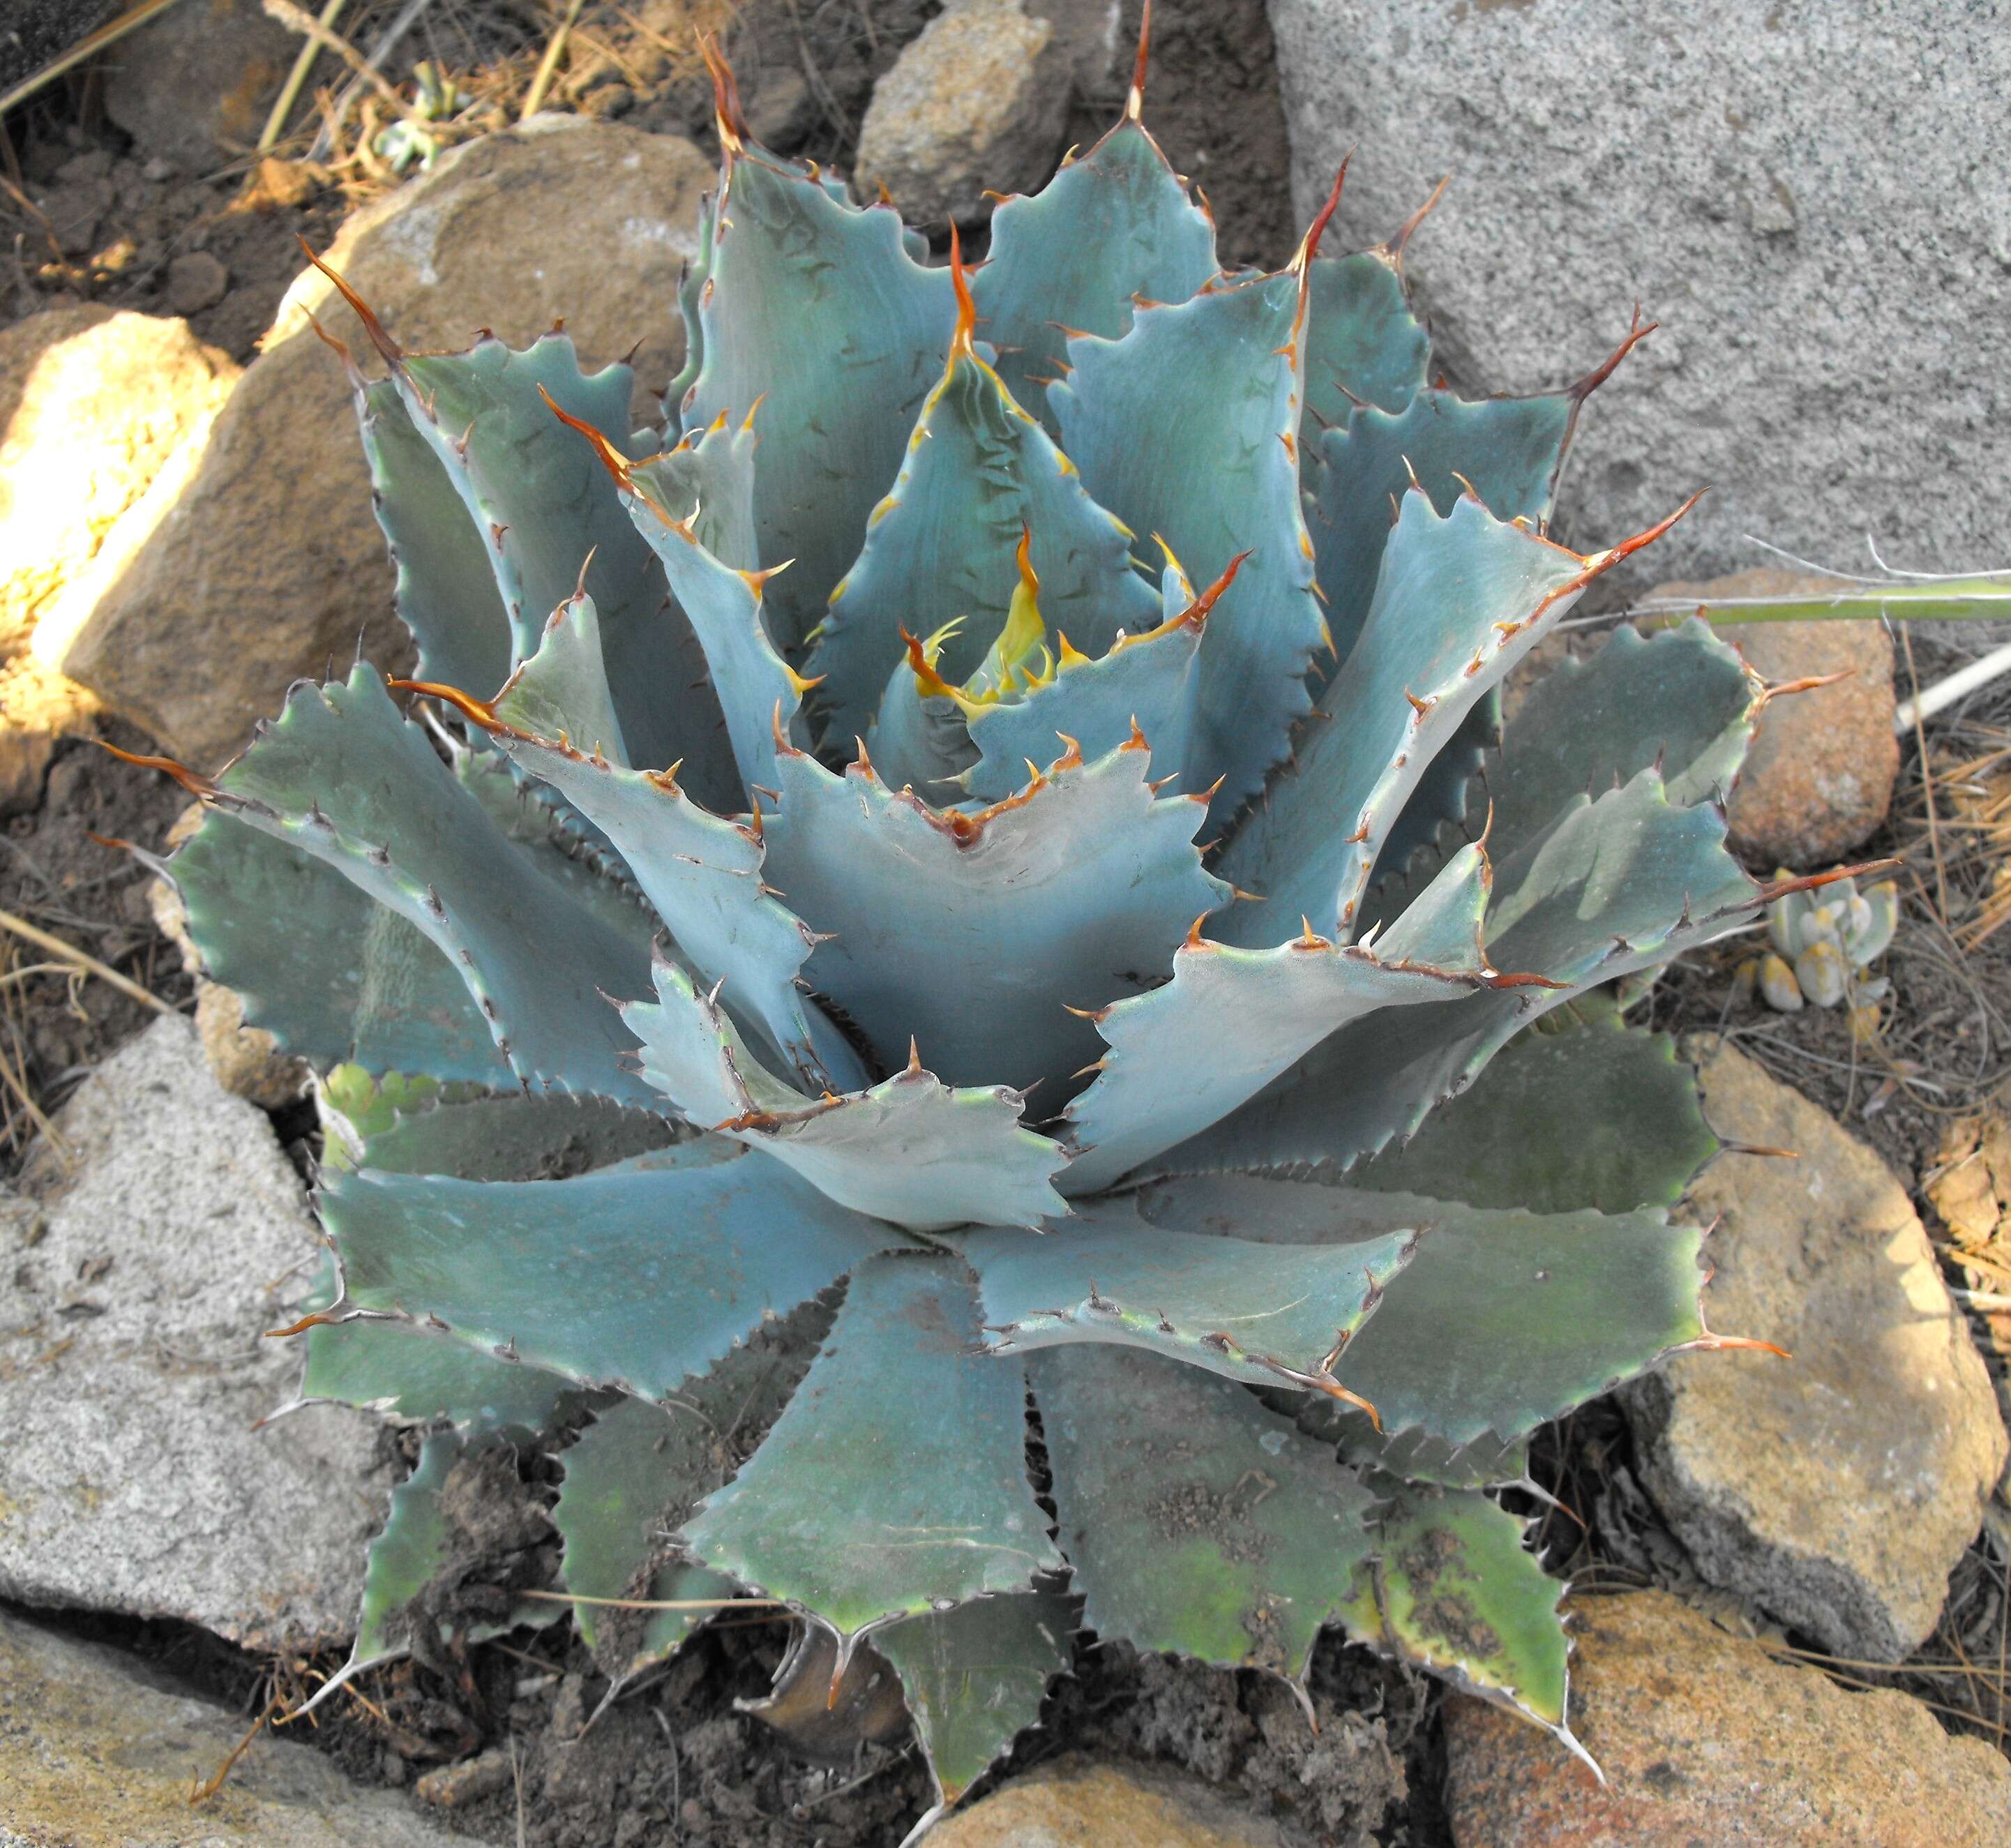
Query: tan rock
{"points": [[194, 86], [979, 101], [270, 564], [1836, 1490], [96, 1753], [93, 407], [1077, 1802], [1707, 1739], [1818, 780]]}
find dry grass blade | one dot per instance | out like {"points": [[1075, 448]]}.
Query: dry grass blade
{"points": [[534, 98], [282, 106], [20, 927], [299, 20]]}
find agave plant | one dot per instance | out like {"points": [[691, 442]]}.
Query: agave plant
{"points": [[945, 1074]]}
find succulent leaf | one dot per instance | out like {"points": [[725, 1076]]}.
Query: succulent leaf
{"points": [[975, 1677], [1681, 700], [1251, 1312], [412, 1378], [797, 276], [635, 1277], [894, 1482], [1551, 1308], [1198, 1522], [1110, 228], [1456, 1591], [1510, 451], [1363, 345], [1461, 598], [1067, 895], [979, 472], [1618, 884], [342, 776], [1598, 1115], [319, 964], [1187, 428], [635, 1462], [447, 591], [1186, 1054], [1147, 685], [704, 876], [910, 1150]]}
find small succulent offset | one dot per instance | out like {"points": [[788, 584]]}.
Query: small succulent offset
{"points": [[1823, 945], [978, 1083]]}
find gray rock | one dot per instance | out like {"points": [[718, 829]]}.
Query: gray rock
{"points": [[269, 565], [979, 101], [1810, 197], [1837, 1489], [97, 1752], [194, 85], [133, 1368]]}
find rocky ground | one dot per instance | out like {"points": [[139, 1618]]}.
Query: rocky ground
{"points": [[1792, 1578]]}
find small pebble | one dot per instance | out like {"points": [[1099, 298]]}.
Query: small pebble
{"points": [[452, 1786], [196, 281]]}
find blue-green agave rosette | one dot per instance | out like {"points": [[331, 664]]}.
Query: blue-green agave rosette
{"points": [[956, 871]]}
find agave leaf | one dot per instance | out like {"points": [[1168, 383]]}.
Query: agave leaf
{"points": [[1461, 598], [527, 486], [319, 964], [1186, 428], [1456, 1590], [920, 740], [817, 305], [507, 1137], [1197, 1522], [1115, 225], [1254, 1313], [634, 1278], [1146, 685], [941, 548], [1681, 700], [561, 690], [757, 690], [1598, 1115], [690, 287], [568, 846], [1187, 1054], [633, 1472], [703, 874], [707, 480], [343, 777], [413, 1378], [1501, 1321], [1511, 450], [910, 1150], [1364, 346], [895, 1480], [1618, 884], [973, 934], [406, 1556], [447, 595], [975, 1677], [553, 525]]}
